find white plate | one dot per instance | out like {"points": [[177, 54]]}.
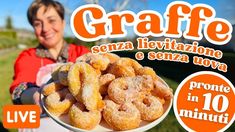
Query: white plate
{"points": [[103, 126]]}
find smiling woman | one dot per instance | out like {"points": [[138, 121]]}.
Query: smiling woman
{"points": [[48, 23], [47, 20]]}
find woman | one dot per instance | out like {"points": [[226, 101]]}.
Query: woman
{"points": [[47, 19]]}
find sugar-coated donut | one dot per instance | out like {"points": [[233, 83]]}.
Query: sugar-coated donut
{"points": [[104, 81], [121, 117], [127, 89], [83, 119], [97, 61], [147, 71], [63, 73], [83, 85], [55, 72], [51, 88], [161, 90], [150, 108], [59, 103], [124, 67], [111, 56]]}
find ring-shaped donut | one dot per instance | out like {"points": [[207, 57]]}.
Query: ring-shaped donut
{"points": [[63, 73], [59, 102], [150, 108], [51, 88], [83, 85], [124, 67], [127, 89], [121, 117], [83, 119]]}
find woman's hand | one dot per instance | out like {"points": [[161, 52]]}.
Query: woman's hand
{"points": [[31, 96]]}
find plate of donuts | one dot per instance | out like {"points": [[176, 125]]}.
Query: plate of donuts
{"points": [[103, 126], [105, 92]]}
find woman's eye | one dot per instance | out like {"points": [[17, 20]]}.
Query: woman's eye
{"points": [[37, 24], [52, 21]]}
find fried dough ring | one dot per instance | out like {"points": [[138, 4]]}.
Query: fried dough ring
{"points": [[124, 67], [84, 119], [97, 61], [59, 103], [160, 88], [104, 81], [150, 108], [111, 56], [51, 88], [127, 89], [63, 73], [121, 117], [147, 71], [83, 85], [54, 74]]}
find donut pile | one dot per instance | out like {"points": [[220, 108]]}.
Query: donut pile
{"points": [[118, 89]]}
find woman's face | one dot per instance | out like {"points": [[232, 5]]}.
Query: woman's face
{"points": [[48, 27]]}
